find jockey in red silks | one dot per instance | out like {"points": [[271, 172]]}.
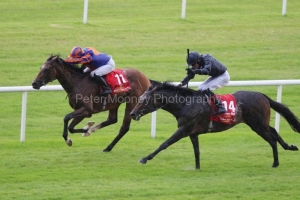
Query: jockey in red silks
{"points": [[98, 64]]}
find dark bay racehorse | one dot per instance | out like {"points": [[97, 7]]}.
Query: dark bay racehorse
{"points": [[193, 118], [83, 94]]}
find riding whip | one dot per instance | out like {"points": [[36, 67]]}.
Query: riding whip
{"points": [[188, 54]]}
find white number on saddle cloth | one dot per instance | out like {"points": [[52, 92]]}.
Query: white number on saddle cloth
{"points": [[230, 106], [119, 77]]}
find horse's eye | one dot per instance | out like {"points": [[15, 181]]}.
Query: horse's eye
{"points": [[46, 70], [142, 98]]}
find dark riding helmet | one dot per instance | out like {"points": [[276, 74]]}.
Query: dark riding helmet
{"points": [[192, 58]]}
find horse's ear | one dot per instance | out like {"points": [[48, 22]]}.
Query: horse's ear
{"points": [[55, 57], [153, 89], [153, 82]]}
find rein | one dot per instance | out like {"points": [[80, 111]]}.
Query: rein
{"points": [[156, 108]]}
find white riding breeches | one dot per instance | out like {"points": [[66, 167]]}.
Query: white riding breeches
{"points": [[216, 82], [105, 69]]}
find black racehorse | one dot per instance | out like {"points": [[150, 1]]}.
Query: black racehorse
{"points": [[84, 96], [193, 118]]}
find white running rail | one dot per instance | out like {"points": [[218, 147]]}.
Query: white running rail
{"points": [[25, 89]]}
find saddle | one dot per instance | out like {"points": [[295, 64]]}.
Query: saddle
{"points": [[229, 103], [117, 81]]}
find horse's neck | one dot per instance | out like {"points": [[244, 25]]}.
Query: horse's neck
{"points": [[67, 79], [176, 104], [172, 103]]}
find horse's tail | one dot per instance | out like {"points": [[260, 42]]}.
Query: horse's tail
{"points": [[286, 113]]}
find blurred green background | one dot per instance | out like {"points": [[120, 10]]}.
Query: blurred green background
{"points": [[250, 37]]}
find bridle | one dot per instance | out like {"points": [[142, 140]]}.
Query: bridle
{"points": [[145, 111]]}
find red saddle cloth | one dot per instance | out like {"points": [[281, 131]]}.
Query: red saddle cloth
{"points": [[229, 104], [117, 81]]}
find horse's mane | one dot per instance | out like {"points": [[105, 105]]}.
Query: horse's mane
{"points": [[72, 67], [169, 86]]}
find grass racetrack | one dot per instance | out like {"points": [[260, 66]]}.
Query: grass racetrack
{"points": [[251, 38]]}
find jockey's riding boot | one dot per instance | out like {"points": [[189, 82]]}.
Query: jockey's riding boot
{"points": [[105, 87], [216, 100], [208, 92], [219, 104]]}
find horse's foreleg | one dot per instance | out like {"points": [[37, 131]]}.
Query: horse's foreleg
{"points": [[65, 131], [79, 113], [179, 134], [74, 122], [195, 142]]}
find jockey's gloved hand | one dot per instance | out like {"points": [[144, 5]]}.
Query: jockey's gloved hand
{"points": [[197, 71], [189, 71], [81, 69]]}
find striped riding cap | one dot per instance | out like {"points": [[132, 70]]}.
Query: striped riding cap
{"points": [[76, 52]]}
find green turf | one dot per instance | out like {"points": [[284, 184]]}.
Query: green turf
{"points": [[250, 37]]}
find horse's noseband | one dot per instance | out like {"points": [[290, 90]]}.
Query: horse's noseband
{"points": [[144, 112]]}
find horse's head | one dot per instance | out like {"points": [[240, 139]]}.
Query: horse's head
{"points": [[154, 98], [47, 72], [145, 105]]}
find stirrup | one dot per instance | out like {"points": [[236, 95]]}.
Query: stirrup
{"points": [[221, 110], [106, 92]]}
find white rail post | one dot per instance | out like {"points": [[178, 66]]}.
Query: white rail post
{"points": [[277, 115], [85, 11], [284, 7], [183, 8], [153, 124], [23, 116]]}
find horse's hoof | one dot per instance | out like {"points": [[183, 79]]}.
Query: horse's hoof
{"points": [[143, 161], [90, 124], [275, 165], [294, 148], [85, 134], [108, 149], [69, 142]]}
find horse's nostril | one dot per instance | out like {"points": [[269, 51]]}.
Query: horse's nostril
{"points": [[132, 115], [35, 85]]}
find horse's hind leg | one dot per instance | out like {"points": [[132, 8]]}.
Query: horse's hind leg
{"points": [[263, 130], [123, 130], [112, 119], [266, 135], [284, 145], [195, 142], [271, 139]]}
